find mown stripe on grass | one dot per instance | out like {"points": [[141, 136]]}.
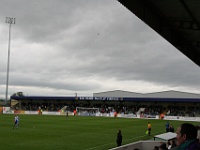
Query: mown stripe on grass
{"points": [[92, 148]]}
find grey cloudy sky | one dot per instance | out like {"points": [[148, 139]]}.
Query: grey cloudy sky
{"points": [[63, 47]]}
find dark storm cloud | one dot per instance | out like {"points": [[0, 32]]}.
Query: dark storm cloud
{"points": [[78, 45]]}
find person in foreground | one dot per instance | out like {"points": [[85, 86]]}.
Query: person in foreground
{"points": [[119, 138], [187, 137]]}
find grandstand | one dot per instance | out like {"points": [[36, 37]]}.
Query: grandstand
{"points": [[150, 105]]}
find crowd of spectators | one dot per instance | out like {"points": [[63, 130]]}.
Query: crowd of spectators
{"points": [[106, 107], [43, 106]]}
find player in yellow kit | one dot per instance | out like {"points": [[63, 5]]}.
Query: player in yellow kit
{"points": [[149, 128]]}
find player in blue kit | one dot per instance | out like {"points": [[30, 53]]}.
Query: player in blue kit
{"points": [[16, 122]]}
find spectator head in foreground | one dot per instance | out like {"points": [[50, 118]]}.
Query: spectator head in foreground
{"points": [[156, 148], [198, 133], [163, 146], [187, 137]]}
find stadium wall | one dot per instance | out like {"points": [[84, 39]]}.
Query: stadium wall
{"points": [[7, 110], [144, 145]]}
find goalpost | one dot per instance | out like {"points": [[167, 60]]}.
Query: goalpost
{"points": [[85, 111]]}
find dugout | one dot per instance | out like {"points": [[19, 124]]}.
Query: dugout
{"points": [[165, 136]]}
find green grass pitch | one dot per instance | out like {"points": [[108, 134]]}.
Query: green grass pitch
{"points": [[44, 132]]}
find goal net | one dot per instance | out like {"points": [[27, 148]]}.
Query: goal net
{"points": [[85, 111]]}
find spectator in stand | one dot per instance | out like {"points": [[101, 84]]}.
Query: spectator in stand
{"points": [[156, 148], [169, 145], [187, 137], [163, 146], [173, 143], [119, 138]]}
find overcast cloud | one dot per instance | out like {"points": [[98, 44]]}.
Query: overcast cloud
{"points": [[63, 47]]}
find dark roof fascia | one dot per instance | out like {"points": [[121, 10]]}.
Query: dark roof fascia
{"points": [[41, 98], [138, 99]]}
